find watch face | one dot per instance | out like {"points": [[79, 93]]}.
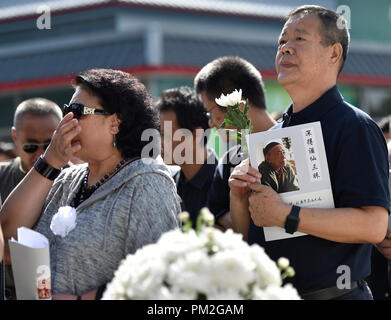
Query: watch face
{"points": [[292, 220], [291, 224]]}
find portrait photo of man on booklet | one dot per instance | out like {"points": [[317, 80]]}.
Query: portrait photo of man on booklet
{"points": [[278, 171]]}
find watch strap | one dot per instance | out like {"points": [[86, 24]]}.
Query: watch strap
{"points": [[45, 169]]}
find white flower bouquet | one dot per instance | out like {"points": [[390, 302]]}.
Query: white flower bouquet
{"points": [[200, 264]]}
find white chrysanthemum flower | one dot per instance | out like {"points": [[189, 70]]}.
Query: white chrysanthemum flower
{"points": [[161, 293], [147, 277], [229, 240], [115, 291], [149, 251], [266, 271], [176, 243], [274, 292], [178, 293], [231, 99], [214, 293], [232, 269], [191, 272], [259, 294], [148, 271], [211, 264], [64, 221]]}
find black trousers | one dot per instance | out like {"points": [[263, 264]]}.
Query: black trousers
{"points": [[380, 279]]}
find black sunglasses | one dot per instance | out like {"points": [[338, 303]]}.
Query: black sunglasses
{"points": [[32, 147], [79, 109]]}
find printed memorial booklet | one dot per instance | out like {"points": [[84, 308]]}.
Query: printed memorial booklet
{"points": [[30, 261], [293, 162]]}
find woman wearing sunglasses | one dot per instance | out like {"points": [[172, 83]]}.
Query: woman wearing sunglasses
{"points": [[122, 201]]}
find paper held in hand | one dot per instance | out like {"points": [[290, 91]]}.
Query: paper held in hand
{"points": [[31, 265], [293, 162]]}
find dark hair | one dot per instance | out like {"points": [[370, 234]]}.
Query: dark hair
{"points": [[384, 124], [188, 108], [121, 93], [270, 146], [225, 74], [39, 107], [333, 27]]}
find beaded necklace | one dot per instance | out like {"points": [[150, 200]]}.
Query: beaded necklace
{"points": [[86, 191]]}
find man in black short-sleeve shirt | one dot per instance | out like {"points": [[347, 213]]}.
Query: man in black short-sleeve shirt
{"points": [[357, 179], [224, 75], [311, 52]]}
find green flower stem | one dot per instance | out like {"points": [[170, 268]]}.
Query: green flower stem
{"points": [[239, 119]]}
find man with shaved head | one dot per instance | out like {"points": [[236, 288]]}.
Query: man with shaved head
{"points": [[35, 120]]}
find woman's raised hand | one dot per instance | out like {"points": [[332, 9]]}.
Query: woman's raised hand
{"points": [[60, 149]]}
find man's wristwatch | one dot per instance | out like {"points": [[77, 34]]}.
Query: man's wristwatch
{"points": [[45, 169], [292, 220]]}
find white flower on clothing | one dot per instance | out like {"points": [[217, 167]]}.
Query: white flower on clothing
{"points": [[64, 221]]}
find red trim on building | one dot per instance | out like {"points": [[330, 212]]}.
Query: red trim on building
{"points": [[162, 70], [190, 71], [365, 80], [35, 84]]}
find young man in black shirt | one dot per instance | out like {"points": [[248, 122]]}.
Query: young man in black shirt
{"points": [[224, 75], [184, 129]]}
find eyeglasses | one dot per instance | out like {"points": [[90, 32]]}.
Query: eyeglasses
{"points": [[209, 112], [32, 147], [79, 109]]}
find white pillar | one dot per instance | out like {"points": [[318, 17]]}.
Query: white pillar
{"points": [[153, 45]]}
